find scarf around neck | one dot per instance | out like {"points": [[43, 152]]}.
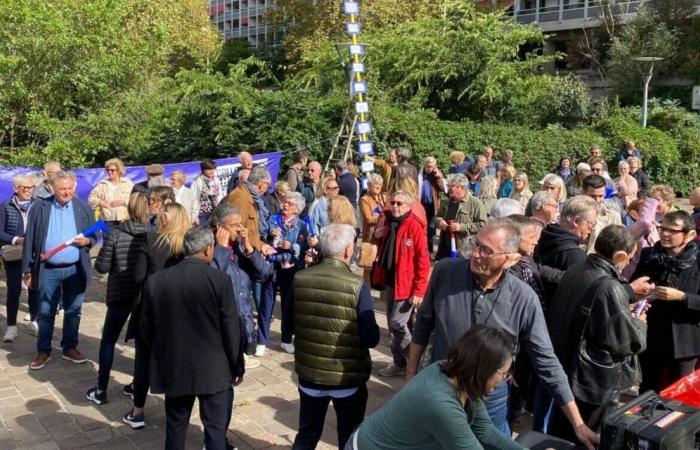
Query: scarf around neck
{"points": [[667, 269], [388, 255]]}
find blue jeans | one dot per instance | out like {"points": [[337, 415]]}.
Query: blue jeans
{"points": [[265, 309], [542, 410], [112, 328], [66, 284], [497, 406]]}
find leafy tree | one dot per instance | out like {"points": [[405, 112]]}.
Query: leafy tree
{"points": [[63, 61], [646, 35]]}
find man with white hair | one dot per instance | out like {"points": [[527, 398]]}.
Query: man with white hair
{"points": [[246, 161], [333, 315], [63, 277], [461, 216], [43, 189], [505, 207]]}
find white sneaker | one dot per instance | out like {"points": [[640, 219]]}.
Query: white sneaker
{"points": [[392, 371], [259, 350], [27, 318], [34, 328], [10, 334], [289, 348], [250, 363]]}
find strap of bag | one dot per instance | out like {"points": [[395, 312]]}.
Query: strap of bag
{"points": [[584, 314]]}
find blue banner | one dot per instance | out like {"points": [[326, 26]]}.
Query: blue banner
{"points": [[88, 178]]}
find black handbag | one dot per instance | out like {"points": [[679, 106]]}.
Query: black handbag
{"points": [[590, 377]]}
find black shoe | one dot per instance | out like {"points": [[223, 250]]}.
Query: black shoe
{"points": [[135, 422], [128, 390], [95, 397]]}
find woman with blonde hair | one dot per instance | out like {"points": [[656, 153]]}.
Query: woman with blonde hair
{"points": [[111, 195], [506, 173], [184, 195], [460, 163], [273, 200], [556, 186], [160, 250], [340, 211], [626, 184], [318, 211], [118, 257], [488, 192], [521, 189]]}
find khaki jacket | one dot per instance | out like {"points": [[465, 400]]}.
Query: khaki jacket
{"points": [[105, 191]]}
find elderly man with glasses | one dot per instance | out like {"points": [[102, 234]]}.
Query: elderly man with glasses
{"points": [[465, 292]]}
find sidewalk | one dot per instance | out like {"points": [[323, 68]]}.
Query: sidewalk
{"points": [[47, 409]]}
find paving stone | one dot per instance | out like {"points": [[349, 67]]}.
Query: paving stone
{"points": [[47, 409]]}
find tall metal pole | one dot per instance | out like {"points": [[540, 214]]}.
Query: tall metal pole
{"points": [[645, 105]]}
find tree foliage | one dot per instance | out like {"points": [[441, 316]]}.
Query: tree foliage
{"points": [[63, 61]]}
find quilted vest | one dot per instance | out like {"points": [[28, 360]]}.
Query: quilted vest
{"points": [[328, 348]]}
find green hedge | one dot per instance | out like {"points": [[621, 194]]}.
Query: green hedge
{"points": [[669, 156]]}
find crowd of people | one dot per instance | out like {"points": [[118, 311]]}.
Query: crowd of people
{"points": [[500, 297]]}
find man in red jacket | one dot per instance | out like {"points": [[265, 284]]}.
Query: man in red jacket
{"points": [[404, 266]]}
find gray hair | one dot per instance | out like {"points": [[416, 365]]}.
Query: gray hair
{"points": [[580, 206], [430, 160], [408, 198], [623, 164], [197, 239], [457, 179], [375, 178], [403, 153], [259, 175], [297, 198], [511, 243], [541, 198], [479, 158], [505, 207], [60, 175], [50, 164], [341, 165], [488, 188], [22, 178], [220, 213], [244, 154], [335, 238]]}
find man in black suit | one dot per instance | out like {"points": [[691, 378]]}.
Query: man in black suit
{"points": [[63, 276], [189, 319]]}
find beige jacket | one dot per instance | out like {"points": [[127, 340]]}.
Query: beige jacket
{"points": [[606, 216], [106, 191]]}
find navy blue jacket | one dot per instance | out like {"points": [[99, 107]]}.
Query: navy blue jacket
{"points": [[243, 270], [37, 227], [11, 221], [348, 187]]}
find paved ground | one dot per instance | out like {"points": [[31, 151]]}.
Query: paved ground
{"points": [[47, 409]]}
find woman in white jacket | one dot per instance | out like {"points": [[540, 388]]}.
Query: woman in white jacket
{"points": [[111, 195]]}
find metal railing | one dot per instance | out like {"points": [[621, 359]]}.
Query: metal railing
{"points": [[581, 10]]}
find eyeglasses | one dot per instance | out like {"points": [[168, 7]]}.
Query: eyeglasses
{"points": [[673, 231], [590, 224], [238, 225], [332, 188], [396, 203], [479, 249], [112, 170], [505, 374], [26, 188], [553, 205]]}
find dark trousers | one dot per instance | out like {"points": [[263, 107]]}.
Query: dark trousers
{"points": [[265, 309], [350, 411], [13, 273], [142, 364], [660, 370], [430, 215], [591, 414], [213, 410], [112, 328], [285, 283]]}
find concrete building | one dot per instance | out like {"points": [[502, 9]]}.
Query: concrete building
{"points": [[243, 19]]}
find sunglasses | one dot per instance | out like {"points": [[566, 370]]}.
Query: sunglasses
{"points": [[396, 203]]}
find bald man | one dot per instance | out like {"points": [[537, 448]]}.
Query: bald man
{"points": [[246, 161], [309, 184]]}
